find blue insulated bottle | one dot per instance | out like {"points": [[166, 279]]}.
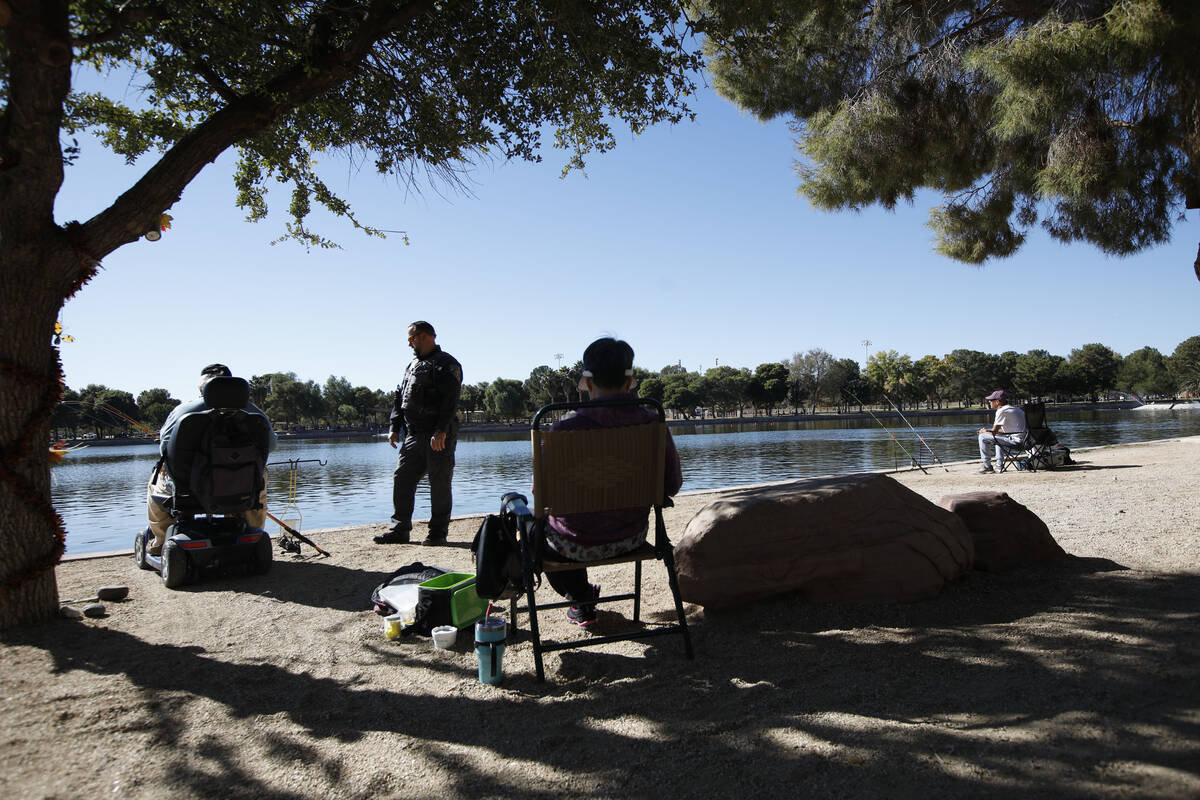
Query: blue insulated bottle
{"points": [[489, 648]]}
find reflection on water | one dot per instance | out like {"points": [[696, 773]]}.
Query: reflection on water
{"points": [[101, 491]]}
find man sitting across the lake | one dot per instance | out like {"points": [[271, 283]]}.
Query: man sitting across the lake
{"points": [[160, 490], [1009, 429]]}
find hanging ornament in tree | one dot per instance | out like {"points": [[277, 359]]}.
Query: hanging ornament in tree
{"points": [[58, 334], [164, 222]]}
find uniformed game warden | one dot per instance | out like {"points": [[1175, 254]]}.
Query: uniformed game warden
{"points": [[424, 419]]}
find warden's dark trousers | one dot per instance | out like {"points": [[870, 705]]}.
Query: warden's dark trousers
{"points": [[417, 459]]}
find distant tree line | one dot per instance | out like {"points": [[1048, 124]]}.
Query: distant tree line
{"points": [[802, 384], [816, 379], [964, 376], [289, 401]]}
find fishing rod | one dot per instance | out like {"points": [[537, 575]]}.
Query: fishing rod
{"points": [[920, 438], [911, 458], [113, 412], [296, 533]]}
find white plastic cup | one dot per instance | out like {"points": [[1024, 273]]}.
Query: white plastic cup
{"points": [[444, 636]]}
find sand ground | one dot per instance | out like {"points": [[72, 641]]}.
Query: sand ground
{"points": [[1077, 679]]}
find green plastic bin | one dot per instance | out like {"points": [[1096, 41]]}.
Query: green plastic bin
{"points": [[455, 601]]}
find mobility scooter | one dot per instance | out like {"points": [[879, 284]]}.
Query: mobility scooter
{"points": [[215, 460]]}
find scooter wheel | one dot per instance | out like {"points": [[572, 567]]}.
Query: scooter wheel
{"points": [[262, 556], [139, 551], [174, 566]]}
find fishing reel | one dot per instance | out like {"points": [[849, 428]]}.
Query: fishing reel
{"points": [[287, 544]]}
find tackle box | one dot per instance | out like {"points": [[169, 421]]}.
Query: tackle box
{"points": [[454, 600]]}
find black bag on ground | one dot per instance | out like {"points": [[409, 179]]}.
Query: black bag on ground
{"points": [[498, 574], [402, 578]]}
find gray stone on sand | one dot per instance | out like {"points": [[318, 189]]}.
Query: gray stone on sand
{"points": [[70, 612], [853, 538], [93, 610], [1007, 535], [110, 593]]}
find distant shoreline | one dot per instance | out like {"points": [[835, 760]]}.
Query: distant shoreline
{"points": [[354, 434]]}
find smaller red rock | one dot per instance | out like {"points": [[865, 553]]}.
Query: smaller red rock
{"points": [[1007, 535]]}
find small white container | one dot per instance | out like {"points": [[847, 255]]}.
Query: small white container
{"points": [[444, 636]]}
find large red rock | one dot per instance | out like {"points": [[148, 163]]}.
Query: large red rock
{"points": [[854, 538], [1007, 535]]}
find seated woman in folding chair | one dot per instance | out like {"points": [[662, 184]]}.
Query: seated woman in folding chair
{"points": [[1009, 429], [607, 372]]}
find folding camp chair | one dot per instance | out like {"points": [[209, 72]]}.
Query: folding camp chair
{"points": [[1033, 451], [601, 469]]}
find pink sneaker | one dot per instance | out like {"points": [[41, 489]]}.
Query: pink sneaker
{"points": [[584, 614]]}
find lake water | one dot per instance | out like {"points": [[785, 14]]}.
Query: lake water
{"points": [[101, 491]]}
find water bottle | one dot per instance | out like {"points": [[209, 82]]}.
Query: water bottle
{"points": [[489, 648]]}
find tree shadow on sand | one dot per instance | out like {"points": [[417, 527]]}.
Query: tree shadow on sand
{"points": [[1051, 681]]}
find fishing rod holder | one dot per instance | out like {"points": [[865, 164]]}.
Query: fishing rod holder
{"points": [[294, 462]]}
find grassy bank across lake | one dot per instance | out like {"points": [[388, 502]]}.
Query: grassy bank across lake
{"points": [[1080, 678]]}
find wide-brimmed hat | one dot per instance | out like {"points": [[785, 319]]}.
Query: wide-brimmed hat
{"points": [[996, 395]]}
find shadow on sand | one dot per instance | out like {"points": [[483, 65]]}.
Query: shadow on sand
{"points": [[1039, 682]]}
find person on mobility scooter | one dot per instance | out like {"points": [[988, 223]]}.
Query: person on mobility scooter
{"points": [[206, 501]]}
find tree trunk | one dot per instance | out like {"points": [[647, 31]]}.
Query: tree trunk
{"points": [[31, 532], [39, 269]]}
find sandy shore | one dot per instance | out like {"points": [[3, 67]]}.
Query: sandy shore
{"points": [[1080, 679]]}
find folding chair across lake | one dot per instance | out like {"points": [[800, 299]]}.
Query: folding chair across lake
{"points": [[1033, 451]]}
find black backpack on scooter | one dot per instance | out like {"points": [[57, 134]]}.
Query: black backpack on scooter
{"points": [[227, 469]]}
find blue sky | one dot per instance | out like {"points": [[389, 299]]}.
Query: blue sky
{"points": [[689, 241]]}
